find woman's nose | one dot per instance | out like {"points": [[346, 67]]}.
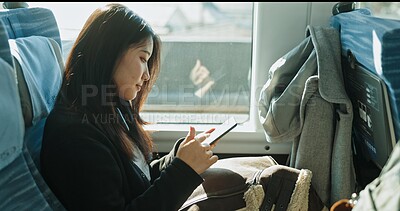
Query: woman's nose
{"points": [[146, 75]]}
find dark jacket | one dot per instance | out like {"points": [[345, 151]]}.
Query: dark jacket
{"points": [[86, 171]]}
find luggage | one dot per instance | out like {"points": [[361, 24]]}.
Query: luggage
{"points": [[254, 183]]}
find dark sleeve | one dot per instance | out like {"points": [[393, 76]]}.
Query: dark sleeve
{"points": [[169, 191], [85, 175], [156, 166]]}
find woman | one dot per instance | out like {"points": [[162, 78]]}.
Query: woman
{"points": [[95, 153]]}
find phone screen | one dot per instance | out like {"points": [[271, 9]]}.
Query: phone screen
{"points": [[221, 130]]}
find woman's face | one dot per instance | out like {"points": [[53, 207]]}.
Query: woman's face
{"points": [[132, 70]]}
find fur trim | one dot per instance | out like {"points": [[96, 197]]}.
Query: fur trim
{"points": [[254, 197], [299, 198]]}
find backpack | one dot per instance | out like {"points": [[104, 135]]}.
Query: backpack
{"points": [[254, 183]]}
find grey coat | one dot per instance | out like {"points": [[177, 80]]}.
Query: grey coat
{"points": [[304, 101]]}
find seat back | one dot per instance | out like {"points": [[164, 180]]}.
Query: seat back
{"points": [[36, 48], [31, 55], [12, 130], [39, 68]]}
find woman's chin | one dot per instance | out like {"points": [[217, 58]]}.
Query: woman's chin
{"points": [[130, 96]]}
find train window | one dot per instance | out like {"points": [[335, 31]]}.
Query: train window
{"points": [[206, 56], [383, 9], [215, 60]]}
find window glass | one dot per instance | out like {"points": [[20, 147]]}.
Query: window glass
{"points": [[206, 56], [389, 10]]}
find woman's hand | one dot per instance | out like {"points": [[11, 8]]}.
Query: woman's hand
{"points": [[196, 155]]}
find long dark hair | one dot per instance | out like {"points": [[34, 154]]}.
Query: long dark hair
{"points": [[107, 34]]}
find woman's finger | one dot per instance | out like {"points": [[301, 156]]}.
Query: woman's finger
{"points": [[206, 145], [210, 130], [210, 153], [201, 137], [191, 135]]}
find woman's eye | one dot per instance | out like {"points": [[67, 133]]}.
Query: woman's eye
{"points": [[143, 60]]}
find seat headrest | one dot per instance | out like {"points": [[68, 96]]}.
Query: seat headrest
{"points": [[13, 5], [34, 21], [40, 62]]}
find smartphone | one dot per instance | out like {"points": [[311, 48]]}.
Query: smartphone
{"points": [[221, 130]]}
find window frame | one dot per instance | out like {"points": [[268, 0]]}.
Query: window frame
{"points": [[272, 29], [249, 137]]}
